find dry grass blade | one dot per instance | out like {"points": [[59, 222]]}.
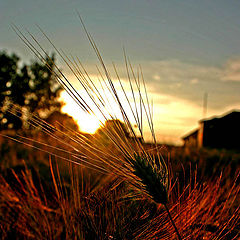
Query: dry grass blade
{"points": [[147, 173], [119, 152], [128, 147]]}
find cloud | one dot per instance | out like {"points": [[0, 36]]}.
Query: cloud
{"points": [[190, 82], [186, 80], [232, 71], [194, 81], [177, 89], [156, 77]]}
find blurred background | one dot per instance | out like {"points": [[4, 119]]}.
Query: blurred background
{"points": [[188, 51]]}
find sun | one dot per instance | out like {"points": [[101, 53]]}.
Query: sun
{"points": [[88, 123]]}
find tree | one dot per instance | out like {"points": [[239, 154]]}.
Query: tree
{"points": [[32, 87], [112, 128]]}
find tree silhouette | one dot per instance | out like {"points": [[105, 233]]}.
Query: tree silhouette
{"points": [[32, 87], [112, 128]]}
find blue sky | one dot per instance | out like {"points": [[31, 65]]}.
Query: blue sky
{"points": [[186, 48]]}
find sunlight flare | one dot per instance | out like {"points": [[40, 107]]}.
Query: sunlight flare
{"points": [[88, 123]]}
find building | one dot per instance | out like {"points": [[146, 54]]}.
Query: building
{"points": [[216, 132]]}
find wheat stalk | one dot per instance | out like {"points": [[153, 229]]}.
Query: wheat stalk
{"points": [[145, 172]]}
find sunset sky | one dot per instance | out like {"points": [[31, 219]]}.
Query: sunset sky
{"points": [[185, 48]]}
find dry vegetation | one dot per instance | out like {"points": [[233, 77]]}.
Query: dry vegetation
{"points": [[83, 204], [109, 185]]}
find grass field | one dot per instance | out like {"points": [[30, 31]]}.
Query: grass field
{"points": [[64, 201]]}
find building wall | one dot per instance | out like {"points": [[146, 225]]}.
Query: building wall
{"points": [[191, 140], [222, 132], [219, 132], [200, 135]]}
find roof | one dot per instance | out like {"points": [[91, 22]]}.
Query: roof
{"points": [[229, 113], [190, 134]]}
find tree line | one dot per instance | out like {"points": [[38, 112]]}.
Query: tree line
{"points": [[31, 87]]}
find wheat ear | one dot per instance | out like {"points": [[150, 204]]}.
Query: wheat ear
{"points": [[154, 181], [139, 169]]}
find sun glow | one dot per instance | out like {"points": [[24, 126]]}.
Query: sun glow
{"points": [[88, 123], [172, 116]]}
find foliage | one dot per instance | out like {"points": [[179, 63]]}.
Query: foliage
{"points": [[32, 87], [104, 207], [13, 154]]}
